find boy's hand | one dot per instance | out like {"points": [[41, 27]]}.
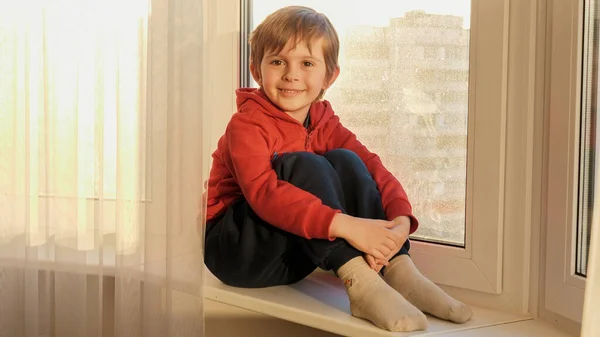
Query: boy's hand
{"points": [[402, 228], [375, 264], [370, 236]]}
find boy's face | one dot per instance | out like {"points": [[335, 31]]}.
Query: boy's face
{"points": [[294, 78]]}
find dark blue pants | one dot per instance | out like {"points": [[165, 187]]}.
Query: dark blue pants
{"points": [[242, 250]]}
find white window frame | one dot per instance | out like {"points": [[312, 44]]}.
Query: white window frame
{"points": [[494, 268], [221, 67], [564, 289]]}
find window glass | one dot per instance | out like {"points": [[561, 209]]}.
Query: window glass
{"points": [[589, 141]]}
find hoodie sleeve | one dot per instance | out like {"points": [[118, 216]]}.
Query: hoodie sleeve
{"points": [[278, 202], [394, 198]]}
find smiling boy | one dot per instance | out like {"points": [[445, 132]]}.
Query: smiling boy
{"points": [[291, 189], [294, 77]]}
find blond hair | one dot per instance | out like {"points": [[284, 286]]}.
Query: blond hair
{"points": [[301, 24]]}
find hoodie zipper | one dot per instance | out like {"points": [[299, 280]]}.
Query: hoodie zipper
{"points": [[307, 139]]}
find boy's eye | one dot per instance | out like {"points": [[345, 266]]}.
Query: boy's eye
{"points": [[277, 62], [308, 64]]}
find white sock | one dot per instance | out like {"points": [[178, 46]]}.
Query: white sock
{"points": [[374, 300], [403, 276]]}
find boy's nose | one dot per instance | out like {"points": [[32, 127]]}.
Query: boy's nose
{"points": [[291, 74]]}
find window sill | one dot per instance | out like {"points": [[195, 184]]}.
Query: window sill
{"points": [[320, 302]]}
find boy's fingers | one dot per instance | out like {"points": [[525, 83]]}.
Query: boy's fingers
{"points": [[377, 254], [391, 244], [397, 238], [370, 261], [385, 250], [389, 224]]}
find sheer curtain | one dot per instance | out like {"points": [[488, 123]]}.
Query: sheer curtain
{"points": [[101, 168]]}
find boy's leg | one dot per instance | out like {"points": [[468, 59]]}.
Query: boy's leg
{"points": [[314, 174], [403, 276], [360, 190], [242, 250], [363, 198], [370, 296]]}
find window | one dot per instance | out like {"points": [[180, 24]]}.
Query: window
{"points": [[422, 110], [416, 91], [72, 116], [456, 53], [431, 51], [572, 162]]}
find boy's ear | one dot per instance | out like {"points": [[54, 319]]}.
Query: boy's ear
{"points": [[329, 82], [255, 74]]}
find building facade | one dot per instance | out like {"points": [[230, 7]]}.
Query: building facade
{"points": [[404, 91]]}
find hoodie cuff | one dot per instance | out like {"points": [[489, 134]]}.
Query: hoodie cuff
{"points": [[402, 208], [319, 228]]}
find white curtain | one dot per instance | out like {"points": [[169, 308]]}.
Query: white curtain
{"points": [[101, 168]]}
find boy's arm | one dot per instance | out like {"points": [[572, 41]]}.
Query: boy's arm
{"points": [[275, 201], [394, 198]]}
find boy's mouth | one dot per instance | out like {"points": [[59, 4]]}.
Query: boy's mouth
{"points": [[289, 91]]}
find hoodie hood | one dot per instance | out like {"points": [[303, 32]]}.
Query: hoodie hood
{"points": [[252, 99]]}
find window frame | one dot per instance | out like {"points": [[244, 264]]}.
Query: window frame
{"points": [[478, 266], [480, 262], [502, 271], [519, 222], [564, 290]]}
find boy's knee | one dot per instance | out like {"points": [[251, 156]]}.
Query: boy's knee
{"points": [[305, 160], [343, 157]]}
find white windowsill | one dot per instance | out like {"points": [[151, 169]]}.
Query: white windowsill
{"points": [[320, 302]]}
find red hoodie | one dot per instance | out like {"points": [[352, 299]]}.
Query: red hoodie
{"points": [[242, 166]]}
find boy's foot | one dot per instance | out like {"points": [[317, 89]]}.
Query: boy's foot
{"points": [[403, 276], [374, 300]]}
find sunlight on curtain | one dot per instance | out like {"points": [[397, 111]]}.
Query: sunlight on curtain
{"points": [[101, 161]]}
